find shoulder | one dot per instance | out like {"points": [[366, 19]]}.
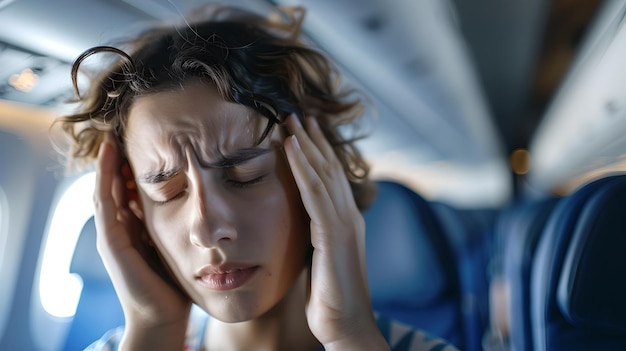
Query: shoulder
{"points": [[401, 337]]}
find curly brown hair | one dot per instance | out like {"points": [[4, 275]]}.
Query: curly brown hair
{"points": [[256, 61]]}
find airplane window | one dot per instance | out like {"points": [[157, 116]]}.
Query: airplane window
{"points": [[4, 224], [60, 290]]}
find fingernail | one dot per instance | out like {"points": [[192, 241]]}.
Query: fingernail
{"points": [[295, 142], [298, 123]]}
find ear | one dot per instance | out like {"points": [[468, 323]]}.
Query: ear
{"points": [[134, 202]]}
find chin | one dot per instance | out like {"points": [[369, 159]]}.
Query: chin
{"points": [[235, 308]]}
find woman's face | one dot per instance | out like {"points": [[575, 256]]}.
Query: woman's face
{"points": [[224, 212]]}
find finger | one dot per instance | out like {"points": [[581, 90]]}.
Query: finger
{"points": [[317, 136], [315, 196], [308, 147], [339, 241], [319, 139], [347, 197], [118, 189], [105, 173], [329, 171], [106, 195]]}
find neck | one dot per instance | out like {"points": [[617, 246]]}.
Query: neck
{"points": [[284, 327]]}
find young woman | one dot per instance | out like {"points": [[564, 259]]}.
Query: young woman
{"points": [[223, 182]]}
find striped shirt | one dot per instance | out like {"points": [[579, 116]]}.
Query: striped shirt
{"points": [[399, 337]]}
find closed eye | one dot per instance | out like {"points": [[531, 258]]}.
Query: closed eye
{"points": [[171, 199], [244, 184]]}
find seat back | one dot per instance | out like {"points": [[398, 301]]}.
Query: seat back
{"points": [[577, 280], [471, 233], [98, 309], [520, 238], [410, 263]]}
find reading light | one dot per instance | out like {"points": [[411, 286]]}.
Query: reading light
{"points": [[520, 161], [25, 81]]}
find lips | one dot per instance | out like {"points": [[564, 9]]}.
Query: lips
{"points": [[225, 277]]}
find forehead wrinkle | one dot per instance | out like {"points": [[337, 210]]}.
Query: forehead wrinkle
{"points": [[172, 156], [213, 130], [158, 153], [226, 132]]}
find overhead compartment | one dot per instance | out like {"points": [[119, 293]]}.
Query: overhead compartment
{"points": [[583, 134]]}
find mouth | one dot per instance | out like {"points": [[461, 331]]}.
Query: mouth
{"points": [[225, 278]]}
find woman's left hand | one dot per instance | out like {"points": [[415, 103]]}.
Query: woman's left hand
{"points": [[338, 311]]}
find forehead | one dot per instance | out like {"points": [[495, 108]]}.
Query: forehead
{"points": [[191, 105], [194, 115]]}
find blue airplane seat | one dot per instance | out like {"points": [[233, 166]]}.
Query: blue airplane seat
{"points": [[578, 289], [411, 267], [98, 309], [471, 234], [520, 239]]}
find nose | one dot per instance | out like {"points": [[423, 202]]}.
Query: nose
{"points": [[211, 216]]}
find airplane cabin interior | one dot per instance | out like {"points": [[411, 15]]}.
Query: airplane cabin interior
{"points": [[497, 139]]}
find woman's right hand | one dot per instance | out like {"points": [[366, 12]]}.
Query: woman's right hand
{"points": [[155, 308]]}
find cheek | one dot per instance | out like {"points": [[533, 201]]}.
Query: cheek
{"points": [[293, 215], [279, 231], [157, 219], [165, 227]]}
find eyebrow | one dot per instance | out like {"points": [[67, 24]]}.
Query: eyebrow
{"points": [[157, 177], [225, 161]]}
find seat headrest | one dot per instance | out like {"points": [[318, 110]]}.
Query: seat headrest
{"points": [[592, 284], [408, 261]]}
